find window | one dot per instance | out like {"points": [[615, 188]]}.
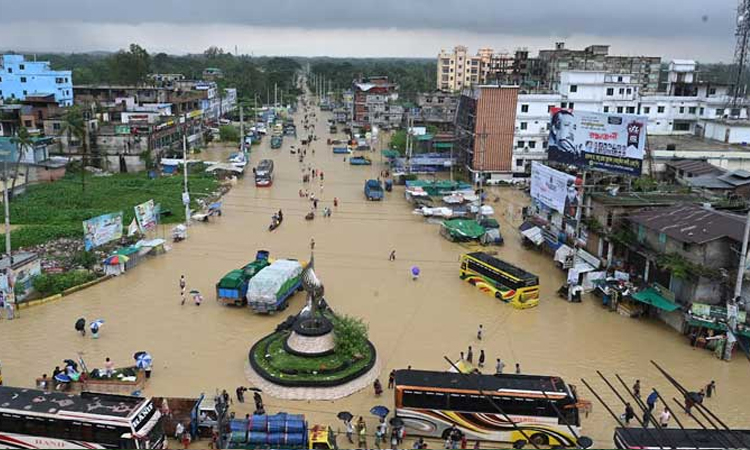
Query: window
{"points": [[56, 126], [21, 67], [520, 144], [701, 111], [610, 218], [621, 91], [606, 109], [564, 105], [682, 109], [544, 143], [27, 123], [573, 88], [646, 109], [641, 233], [24, 92], [712, 91], [681, 126], [619, 79], [660, 109], [524, 108], [23, 79], [719, 111], [428, 400], [532, 144], [519, 163], [619, 109], [662, 240], [691, 110], [629, 91], [10, 70], [570, 105], [610, 91], [631, 110], [524, 125]]}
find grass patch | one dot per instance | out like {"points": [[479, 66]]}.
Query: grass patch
{"points": [[55, 210], [276, 360], [56, 283]]}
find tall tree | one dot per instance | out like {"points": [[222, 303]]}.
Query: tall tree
{"points": [[74, 125], [23, 141], [130, 67]]}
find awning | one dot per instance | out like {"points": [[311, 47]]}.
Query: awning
{"points": [[652, 297], [534, 234]]}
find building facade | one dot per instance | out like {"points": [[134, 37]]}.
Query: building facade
{"points": [[20, 78], [374, 103]]}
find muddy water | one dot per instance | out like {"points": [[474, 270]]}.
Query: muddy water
{"points": [[201, 349]]}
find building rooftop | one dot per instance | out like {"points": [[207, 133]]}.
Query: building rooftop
{"points": [[643, 199], [19, 259], [694, 166], [729, 180], [690, 143], [692, 224]]}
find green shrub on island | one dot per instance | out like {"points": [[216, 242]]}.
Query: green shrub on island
{"points": [[350, 336], [56, 283]]}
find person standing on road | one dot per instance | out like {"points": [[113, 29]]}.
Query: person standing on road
{"points": [[391, 379], [470, 356], [518, 368], [664, 418], [183, 285], [629, 413], [480, 332], [499, 367], [651, 400], [710, 388], [349, 430], [637, 388], [481, 358], [392, 256]]}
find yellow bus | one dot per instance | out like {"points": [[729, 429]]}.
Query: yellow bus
{"points": [[498, 278]]}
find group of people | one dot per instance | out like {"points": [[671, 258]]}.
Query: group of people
{"points": [[690, 398], [197, 297], [382, 434]]}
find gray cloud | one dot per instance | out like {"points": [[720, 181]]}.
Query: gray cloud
{"points": [[668, 19]]}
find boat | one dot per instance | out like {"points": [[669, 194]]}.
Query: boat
{"points": [[360, 161]]}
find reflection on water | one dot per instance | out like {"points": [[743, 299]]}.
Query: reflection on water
{"points": [[200, 349]]}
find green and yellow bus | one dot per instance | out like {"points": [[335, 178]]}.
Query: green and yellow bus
{"points": [[503, 280]]}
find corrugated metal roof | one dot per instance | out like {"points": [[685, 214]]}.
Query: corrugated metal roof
{"points": [[692, 223], [694, 166]]}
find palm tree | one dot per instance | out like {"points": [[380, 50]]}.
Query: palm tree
{"points": [[23, 140], [74, 125]]}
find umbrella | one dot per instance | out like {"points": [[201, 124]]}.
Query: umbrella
{"points": [[96, 324], [62, 378], [80, 324], [415, 271], [195, 292], [345, 415], [380, 411], [116, 259], [137, 355], [255, 389], [144, 361], [396, 422]]}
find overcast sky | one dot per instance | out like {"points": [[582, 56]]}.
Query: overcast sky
{"points": [[698, 29]]}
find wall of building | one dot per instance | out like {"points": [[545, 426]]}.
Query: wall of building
{"points": [[496, 117], [19, 78]]}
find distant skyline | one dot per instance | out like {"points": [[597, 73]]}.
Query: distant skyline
{"points": [[672, 29]]}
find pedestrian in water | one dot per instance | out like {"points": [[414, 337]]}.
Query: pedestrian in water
{"points": [[664, 417], [470, 356], [651, 400], [312, 244], [637, 388], [481, 358], [392, 256], [391, 379], [315, 204], [629, 413], [710, 388], [258, 400], [335, 202], [349, 430], [480, 332], [225, 397], [109, 368], [461, 356], [240, 394], [377, 387], [499, 367], [183, 285], [518, 369], [646, 418]]}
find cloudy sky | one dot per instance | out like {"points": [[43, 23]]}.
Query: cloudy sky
{"points": [[698, 29]]}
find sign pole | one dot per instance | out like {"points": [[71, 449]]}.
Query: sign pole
{"points": [[579, 210]]}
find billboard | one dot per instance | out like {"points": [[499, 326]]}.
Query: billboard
{"points": [[557, 190], [146, 216], [100, 230], [610, 142]]}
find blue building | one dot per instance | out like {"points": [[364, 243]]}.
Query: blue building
{"points": [[19, 78]]}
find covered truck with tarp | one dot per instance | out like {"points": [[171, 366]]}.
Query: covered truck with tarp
{"points": [[461, 230], [232, 288], [280, 430], [440, 187], [373, 190], [270, 289]]}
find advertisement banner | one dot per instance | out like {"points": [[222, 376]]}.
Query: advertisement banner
{"points": [[100, 230], [557, 190], [609, 142], [146, 216]]}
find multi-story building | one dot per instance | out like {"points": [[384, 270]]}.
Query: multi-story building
{"points": [[436, 108], [374, 103], [458, 69], [20, 78], [485, 125], [644, 70]]}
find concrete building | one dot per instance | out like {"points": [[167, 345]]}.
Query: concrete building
{"points": [[457, 69], [485, 126], [20, 78], [374, 104], [436, 108]]}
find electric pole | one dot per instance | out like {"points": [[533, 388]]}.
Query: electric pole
{"points": [[735, 302], [186, 194]]}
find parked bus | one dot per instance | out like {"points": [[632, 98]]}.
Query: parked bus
{"points": [[430, 403], [264, 173], [699, 439], [505, 281], [32, 418]]}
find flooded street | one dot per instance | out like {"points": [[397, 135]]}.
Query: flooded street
{"points": [[201, 349]]}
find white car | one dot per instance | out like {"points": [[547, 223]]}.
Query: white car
{"points": [[261, 129]]}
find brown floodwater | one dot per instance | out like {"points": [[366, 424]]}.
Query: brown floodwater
{"points": [[202, 349]]}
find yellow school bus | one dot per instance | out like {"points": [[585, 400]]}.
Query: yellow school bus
{"points": [[504, 281]]}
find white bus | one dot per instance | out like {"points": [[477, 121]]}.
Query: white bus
{"points": [[430, 403], [31, 418]]}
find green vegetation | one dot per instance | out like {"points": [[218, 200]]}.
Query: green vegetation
{"points": [[412, 75], [229, 133], [56, 283], [280, 364], [56, 210], [350, 334]]}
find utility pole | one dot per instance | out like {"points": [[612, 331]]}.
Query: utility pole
{"points": [[6, 205], [409, 126], [579, 210], [481, 171], [242, 129], [186, 193], [736, 302], [275, 95]]}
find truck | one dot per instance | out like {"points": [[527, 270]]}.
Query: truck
{"points": [[276, 141], [282, 430], [232, 288], [373, 190], [198, 415], [270, 289]]}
